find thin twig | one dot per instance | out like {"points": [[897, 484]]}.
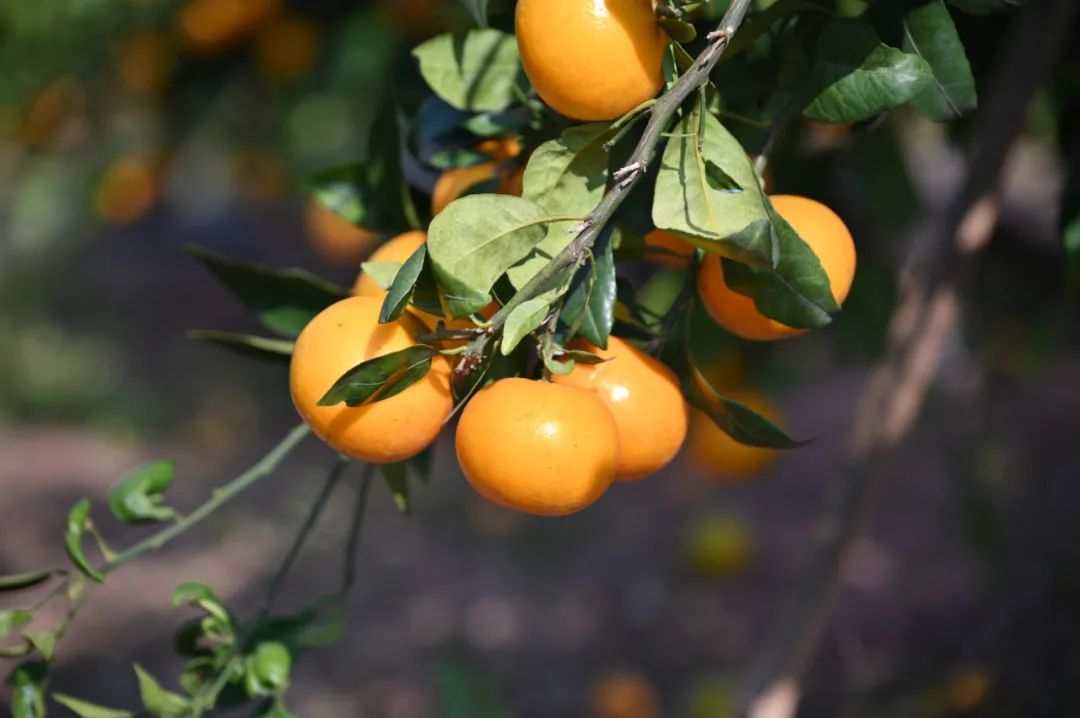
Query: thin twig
{"points": [[218, 498], [662, 112], [332, 479], [925, 318]]}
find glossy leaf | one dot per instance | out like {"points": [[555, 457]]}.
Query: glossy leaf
{"points": [[475, 240], [85, 709], [157, 700], [567, 178], [929, 32], [403, 286], [28, 685], [77, 523], [140, 496], [202, 596], [855, 76], [524, 320], [678, 30], [382, 273], [268, 669], [22, 581], [12, 620], [589, 309], [246, 345], [284, 300], [381, 378], [475, 71]]}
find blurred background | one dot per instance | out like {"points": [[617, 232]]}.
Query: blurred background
{"points": [[129, 128]]}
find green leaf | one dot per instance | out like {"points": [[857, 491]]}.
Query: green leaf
{"points": [[855, 76], [28, 683], [247, 345], [283, 300], [737, 420], [13, 620], [929, 32], [139, 496], [156, 699], [678, 30], [397, 479], [368, 194], [85, 709], [77, 523], [525, 318], [567, 178], [687, 203], [478, 9], [382, 273], [475, 71], [22, 581], [403, 286], [589, 309], [475, 240], [457, 157], [718, 179], [492, 124], [202, 596], [44, 643], [381, 378], [268, 669], [797, 292]]}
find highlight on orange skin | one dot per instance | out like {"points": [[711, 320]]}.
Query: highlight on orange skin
{"points": [[591, 59], [820, 228], [643, 396], [536, 447]]}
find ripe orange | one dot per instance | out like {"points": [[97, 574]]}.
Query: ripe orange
{"points": [[336, 238], [716, 452], [545, 449], [644, 397], [456, 181], [127, 191], [826, 234], [342, 336], [591, 59], [60, 105], [678, 250], [287, 47], [212, 25]]}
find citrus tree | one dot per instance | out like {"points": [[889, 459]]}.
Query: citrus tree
{"points": [[580, 144]]}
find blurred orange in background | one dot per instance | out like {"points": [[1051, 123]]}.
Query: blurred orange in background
{"points": [[287, 47], [337, 239], [128, 189], [61, 103], [624, 695], [146, 61], [714, 451], [210, 26]]}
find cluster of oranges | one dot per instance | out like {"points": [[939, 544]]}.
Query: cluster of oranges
{"points": [[547, 447]]}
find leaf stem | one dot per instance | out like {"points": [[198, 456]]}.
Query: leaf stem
{"points": [[218, 498], [662, 112], [332, 479]]}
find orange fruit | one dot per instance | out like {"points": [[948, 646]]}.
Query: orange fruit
{"points": [[213, 25], [61, 103], [416, 19], [287, 47], [342, 336], [716, 452], [337, 239], [591, 59], [456, 181], [678, 250], [541, 448], [127, 190], [624, 695], [827, 236], [146, 61], [644, 398]]}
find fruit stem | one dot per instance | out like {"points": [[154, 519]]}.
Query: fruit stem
{"points": [[663, 110]]}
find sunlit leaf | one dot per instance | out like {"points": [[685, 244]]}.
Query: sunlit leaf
{"points": [[12, 620], [77, 524], [525, 319], [157, 700], [28, 685], [475, 71], [22, 581], [140, 496], [85, 709]]}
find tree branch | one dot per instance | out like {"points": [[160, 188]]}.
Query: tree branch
{"points": [[926, 317], [662, 111]]}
